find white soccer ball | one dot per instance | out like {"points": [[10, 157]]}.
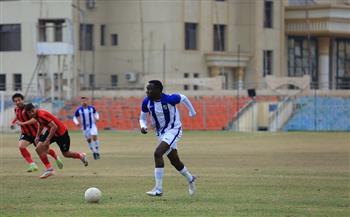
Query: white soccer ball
{"points": [[93, 195]]}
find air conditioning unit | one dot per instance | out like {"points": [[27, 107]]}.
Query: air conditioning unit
{"points": [[131, 77], [91, 4]]}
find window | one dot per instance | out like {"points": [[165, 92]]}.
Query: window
{"points": [[195, 75], [268, 62], [47, 25], [191, 36], [103, 35], [17, 82], [298, 57], [58, 32], [186, 75], [219, 37], [58, 78], [86, 36], [114, 39], [2, 82], [10, 37], [343, 63], [268, 13], [114, 80], [301, 2], [91, 80]]}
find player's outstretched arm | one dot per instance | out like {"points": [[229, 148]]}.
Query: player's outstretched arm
{"points": [[38, 132], [184, 100], [53, 128], [31, 121], [143, 122], [75, 120], [96, 115], [13, 123]]}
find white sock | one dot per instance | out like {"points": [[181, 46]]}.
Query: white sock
{"points": [[158, 176], [92, 147], [187, 174], [97, 146]]}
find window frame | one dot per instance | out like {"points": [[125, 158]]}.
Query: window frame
{"points": [[88, 30], [267, 62], [114, 39], [103, 35], [17, 86], [114, 80], [191, 34], [219, 31], [268, 14], [3, 85], [13, 41]]}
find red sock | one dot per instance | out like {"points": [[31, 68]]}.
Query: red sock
{"points": [[76, 155], [52, 153], [26, 155], [45, 160]]}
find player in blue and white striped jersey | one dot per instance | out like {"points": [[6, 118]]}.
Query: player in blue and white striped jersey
{"points": [[165, 118], [88, 117]]}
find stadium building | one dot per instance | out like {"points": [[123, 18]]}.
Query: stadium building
{"points": [[77, 45], [64, 49]]}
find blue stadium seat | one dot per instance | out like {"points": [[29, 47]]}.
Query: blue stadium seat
{"points": [[320, 114]]}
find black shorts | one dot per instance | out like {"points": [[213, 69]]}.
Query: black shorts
{"points": [[62, 141], [27, 138]]}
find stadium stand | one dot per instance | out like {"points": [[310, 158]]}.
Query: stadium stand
{"points": [[213, 113], [320, 114]]}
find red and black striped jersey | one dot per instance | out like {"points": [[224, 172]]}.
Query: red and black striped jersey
{"points": [[22, 116], [44, 118]]}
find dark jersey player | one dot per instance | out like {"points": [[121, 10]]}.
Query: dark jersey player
{"points": [[28, 134], [56, 132]]}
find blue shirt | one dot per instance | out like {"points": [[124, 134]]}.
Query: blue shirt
{"points": [[86, 116], [164, 115]]}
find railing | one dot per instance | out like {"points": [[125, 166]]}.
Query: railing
{"points": [[281, 115]]}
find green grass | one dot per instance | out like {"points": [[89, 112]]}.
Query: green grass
{"points": [[260, 174]]}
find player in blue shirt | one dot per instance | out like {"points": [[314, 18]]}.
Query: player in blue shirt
{"points": [[165, 118], [88, 117]]}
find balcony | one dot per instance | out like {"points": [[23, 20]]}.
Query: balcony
{"points": [[55, 37], [54, 48], [318, 20], [227, 59]]}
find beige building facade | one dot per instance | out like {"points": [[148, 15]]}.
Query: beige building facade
{"points": [[59, 48]]}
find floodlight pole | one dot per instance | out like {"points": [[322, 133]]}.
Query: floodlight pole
{"points": [[81, 42], [164, 63], [238, 59], [315, 85]]}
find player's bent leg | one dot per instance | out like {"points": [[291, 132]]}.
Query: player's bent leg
{"points": [[42, 150], [58, 160], [159, 169], [22, 145], [176, 162], [96, 145], [52, 153], [158, 154], [91, 146], [76, 155]]}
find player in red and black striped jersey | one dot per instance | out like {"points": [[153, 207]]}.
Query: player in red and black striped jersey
{"points": [[28, 134], [56, 132]]}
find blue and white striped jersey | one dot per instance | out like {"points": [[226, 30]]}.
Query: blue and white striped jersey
{"points": [[87, 116], [164, 114]]}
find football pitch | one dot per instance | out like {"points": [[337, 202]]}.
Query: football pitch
{"points": [[240, 174]]}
